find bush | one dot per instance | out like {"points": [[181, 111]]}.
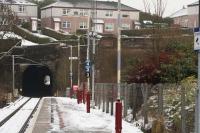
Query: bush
{"points": [[57, 35], [26, 25], [6, 44], [163, 31], [81, 32], [29, 36]]}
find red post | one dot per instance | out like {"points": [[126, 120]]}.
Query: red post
{"points": [[118, 117], [84, 93], [88, 101], [78, 96], [70, 93]]}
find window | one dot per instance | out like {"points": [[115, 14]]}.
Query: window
{"points": [[66, 24], [83, 25], [126, 26], [75, 13], [83, 12], [66, 11], [109, 27], [125, 15], [109, 13], [21, 8]]}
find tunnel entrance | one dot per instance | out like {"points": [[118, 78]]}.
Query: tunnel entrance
{"points": [[37, 81]]}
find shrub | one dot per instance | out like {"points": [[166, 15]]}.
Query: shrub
{"points": [[81, 32], [26, 25], [57, 35], [163, 31], [29, 36]]}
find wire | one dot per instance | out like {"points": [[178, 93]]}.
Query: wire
{"points": [[8, 52], [32, 61]]}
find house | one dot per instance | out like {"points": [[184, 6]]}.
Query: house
{"points": [[187, 17], [72, 15], [193, 13], [23, 9]]}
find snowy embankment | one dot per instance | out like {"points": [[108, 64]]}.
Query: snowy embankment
{"points": [[73, 117], [24, 41]]}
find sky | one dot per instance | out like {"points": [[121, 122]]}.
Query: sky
{"points": [[172, 5]]}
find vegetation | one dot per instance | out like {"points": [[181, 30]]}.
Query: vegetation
{"points": [[163, 31], [57, 35], [7, 19], [29, 36]]}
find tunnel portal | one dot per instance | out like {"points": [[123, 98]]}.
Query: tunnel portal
{"points": [[37, 81]]}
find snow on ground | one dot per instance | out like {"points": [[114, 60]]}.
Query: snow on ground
{"points": [[13, 35], [72, 117], [27, 43], [6, 111], [24, 41], [14, 124]]}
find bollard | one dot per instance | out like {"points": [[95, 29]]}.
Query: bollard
{"points": [[78, 96], [88, 101], [70, 94], [118, 117], [84, 93]]}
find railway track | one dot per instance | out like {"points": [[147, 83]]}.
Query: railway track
{"points": [[17, 120]]}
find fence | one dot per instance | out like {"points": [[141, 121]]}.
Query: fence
{"points": [[172, 101]]}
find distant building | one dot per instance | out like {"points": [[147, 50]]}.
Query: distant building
{"points": [[71, 15], [23, 9], [187, 17]]}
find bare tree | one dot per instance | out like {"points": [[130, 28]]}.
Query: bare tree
{"points": [[159, 7], [7, 19]]}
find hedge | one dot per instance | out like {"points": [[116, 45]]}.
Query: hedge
{"points": [[6, 44], [57, 35], [81, 31], [29, 36], [163, 31]]}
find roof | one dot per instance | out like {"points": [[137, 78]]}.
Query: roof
{"points": [[105, 5], [194, 4], [179, 13], [17, 2]]}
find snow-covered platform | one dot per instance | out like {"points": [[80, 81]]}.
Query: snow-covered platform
{"points": [[64, 115]]}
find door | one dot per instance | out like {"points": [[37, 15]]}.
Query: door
{"points": [[99, 28], [57, 26], [34, 25]]}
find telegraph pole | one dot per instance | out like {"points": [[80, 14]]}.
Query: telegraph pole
{"points": [[118, 114], [78, 62], [94, 49], [13, 74], [197, 115], [71, 72], [119, 50], [88, 67]]}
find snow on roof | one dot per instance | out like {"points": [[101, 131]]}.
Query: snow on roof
{"points": [[111, 5], [194, 4], [179, 13], [17, 2]]}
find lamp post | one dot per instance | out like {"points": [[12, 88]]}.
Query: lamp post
{"points": [[118, 116], [197, 106], [71, 73], [13, 74]]}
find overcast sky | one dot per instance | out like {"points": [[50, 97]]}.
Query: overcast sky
{"points": [[172, 5]]}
